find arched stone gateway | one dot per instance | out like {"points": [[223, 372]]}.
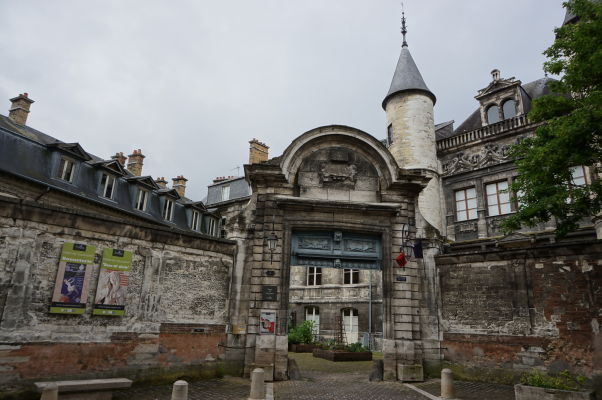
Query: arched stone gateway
{"points": [[331, 180]]}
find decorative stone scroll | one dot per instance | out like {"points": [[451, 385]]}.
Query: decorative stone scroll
{"points": [[331, 172], [491, 154]]}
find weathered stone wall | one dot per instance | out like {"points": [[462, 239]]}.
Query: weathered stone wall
{"points": [[524, 308], [177, 298]]}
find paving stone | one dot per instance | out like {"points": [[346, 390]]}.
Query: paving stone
{"points": [[471, 390]]}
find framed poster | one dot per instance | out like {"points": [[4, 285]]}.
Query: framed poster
{"points": [[113, 280], [72, 279], [267, 322]]}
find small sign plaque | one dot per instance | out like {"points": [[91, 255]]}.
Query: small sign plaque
{"points": [[270, 272], [400, 278], [269, 293]]}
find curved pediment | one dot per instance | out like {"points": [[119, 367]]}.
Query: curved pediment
{"points": [[338, 156]]}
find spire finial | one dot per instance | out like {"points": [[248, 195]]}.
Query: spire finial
{"points": [[403, 27]]}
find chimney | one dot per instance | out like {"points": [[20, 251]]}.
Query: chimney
{"points": [[219, 179], [120, 158], [20, 108], [161, 182], [258, 152], [135, 161], [179, 184], [495, 74]]}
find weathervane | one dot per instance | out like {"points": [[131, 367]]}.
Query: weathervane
{"points": [[403, 27]]}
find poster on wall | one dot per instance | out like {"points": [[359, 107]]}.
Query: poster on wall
{"points": [[267, 322], [113, 282], [72, 279]]}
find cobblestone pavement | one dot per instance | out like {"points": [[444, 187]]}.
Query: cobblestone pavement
{"points": [[325, 380], [471, 390], [215, 389]]}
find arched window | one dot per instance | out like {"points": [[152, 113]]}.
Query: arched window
{"points": [[313, 314], [493, 114], [509, 109]]}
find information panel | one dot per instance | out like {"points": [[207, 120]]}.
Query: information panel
{"points": [[113, 282], [72, 279]]}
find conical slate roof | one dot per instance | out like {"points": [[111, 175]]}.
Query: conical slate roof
{"points": [[407, 77]]}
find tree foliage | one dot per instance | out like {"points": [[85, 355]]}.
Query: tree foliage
{"points": [[570, 134]]}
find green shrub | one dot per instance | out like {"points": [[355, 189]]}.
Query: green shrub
{"points": [[563, 380], [356, 347], [302, 333]]}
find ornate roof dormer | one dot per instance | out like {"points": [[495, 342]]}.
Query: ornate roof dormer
{"points": [[501, 99]]}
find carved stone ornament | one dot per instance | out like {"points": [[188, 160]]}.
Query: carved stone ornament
{"points": [[331, 172], [360, 246], [314, 243], [490, 154], [464, 227]]}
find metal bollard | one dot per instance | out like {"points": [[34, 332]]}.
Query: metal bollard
{"points": [[447, 384], [180, 390], [50, 392], [257, 384]]}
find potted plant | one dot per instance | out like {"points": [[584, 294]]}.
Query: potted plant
{"points": [[537, 385], [301, 338], [337, 352]]}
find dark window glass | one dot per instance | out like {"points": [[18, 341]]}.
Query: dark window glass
{"points": [[493, 114], [509, 109]]}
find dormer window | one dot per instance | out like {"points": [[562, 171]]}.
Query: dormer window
{"points": [[493, 114], [225, 193], [141, 200], [196, 221], [168, 210], [107, 185], [509, 109], [66, 169]]}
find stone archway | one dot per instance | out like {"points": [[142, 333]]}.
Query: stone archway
{"points": [[330, 179]]}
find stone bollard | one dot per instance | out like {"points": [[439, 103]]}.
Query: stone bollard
{"points": [[447, 384], [257, 384], [50, 392], [180, 390]]}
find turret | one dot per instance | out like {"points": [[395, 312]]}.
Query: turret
{"points": [[411, 129]]}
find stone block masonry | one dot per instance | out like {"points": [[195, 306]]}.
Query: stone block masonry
{"points": [[175, 313], [522, 309]]}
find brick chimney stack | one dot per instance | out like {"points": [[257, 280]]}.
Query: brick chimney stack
{"points": [[120, 158], [161, 182], [258, 152], [20, 108], [179, 184], [135, 162]]}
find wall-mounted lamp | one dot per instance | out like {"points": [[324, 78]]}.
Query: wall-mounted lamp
{"points": [[272, 240], [407, 246]]}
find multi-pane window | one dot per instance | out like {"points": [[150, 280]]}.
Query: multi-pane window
{"points": [[498, 198], [578, 177], [141, 200], [66, 169], [222, 228], [313, 314], [314, 276], [107, 184], [351, 276], [168, 209], [466, 204], [196, 221], [211, 227], [225, 193]]}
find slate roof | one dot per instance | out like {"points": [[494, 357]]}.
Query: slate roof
{"points": [[34, 156], [407, 77]]}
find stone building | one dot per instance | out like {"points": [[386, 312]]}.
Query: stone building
{"points": [[314, 233]]}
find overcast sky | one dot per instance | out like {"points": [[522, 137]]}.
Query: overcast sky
{"points": [[191, 82]]}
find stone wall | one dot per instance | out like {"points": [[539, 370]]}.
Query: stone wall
{"points": [[534, 306], [177, 298]]}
